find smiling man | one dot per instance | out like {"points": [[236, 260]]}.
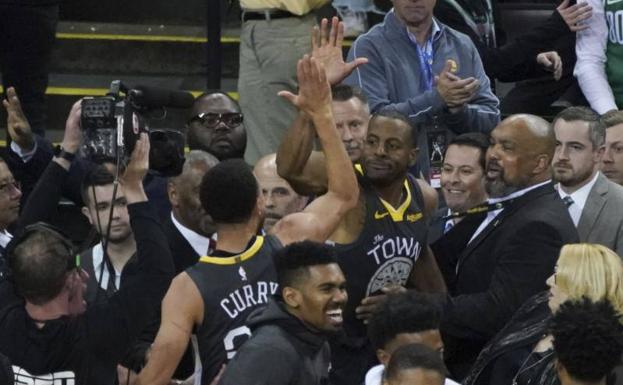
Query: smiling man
{"points": [[289, 343], [217, 126], [594, 202]]}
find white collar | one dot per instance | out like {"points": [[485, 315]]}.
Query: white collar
{"points": [[580, 196], [519, 193], [435, 30], [198, 242], [98, 263], [5, 238], [375, 376]]}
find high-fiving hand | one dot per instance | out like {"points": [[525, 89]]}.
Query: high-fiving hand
{"points": [[314, 95]]}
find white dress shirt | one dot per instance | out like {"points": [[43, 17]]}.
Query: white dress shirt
{"points": [[590, 68], [375, 376], [199, 243], [494, 213], [98, 260], [580, 196], [5, 238]]}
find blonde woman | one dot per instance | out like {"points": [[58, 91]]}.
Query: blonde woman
{"points": [[522, 354]]}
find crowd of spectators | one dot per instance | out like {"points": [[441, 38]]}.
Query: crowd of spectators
{"points": [[371, 221]]}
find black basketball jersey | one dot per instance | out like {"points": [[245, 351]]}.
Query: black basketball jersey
{"points": [[389, 244], [231, 288]]}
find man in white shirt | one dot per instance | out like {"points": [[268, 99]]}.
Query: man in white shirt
{"points": [[594, 203]]}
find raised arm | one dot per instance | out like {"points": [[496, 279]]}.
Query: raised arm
{"points": [[322, 216], [302, 167]]}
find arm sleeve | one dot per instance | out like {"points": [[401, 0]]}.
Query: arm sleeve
{"points": [[260, 365], [372, 79], [590, 68], [28, 172], [113, 326], [523, 266]]}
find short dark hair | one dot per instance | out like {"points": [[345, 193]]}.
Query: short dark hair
{"points": [[229, 192], [473, 139], [415, 356], [612, 118], [408, 312], [393, 114], [97, 176], [344, 92], [588, 338], [206, 95], [39, 259], [596, 127], [293, 261]]}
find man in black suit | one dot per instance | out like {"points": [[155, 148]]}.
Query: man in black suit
{"points": [[189, 228], [507, 256]]}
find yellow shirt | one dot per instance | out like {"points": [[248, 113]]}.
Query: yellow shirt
{"points": [[297, 7]]}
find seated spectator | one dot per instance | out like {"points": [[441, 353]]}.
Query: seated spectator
{"points": [[521, 353], [291, 332], [428, 72], [279, 197], [217, 126], [462, 180], [10, 195], [415, 364], [402, 319], [594, 202], [189, 229], [588, 341], [43, 310], [612, 160]]}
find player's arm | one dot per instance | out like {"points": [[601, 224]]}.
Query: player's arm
{"points": [[297, 163], [182, 309], [322, 216], [426, 275]]}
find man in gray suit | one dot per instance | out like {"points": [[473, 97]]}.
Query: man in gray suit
{"points": [[594, 202]]}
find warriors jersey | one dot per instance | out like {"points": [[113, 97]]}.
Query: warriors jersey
{"points": [[614, 48], [388, 246], [231, 287]]}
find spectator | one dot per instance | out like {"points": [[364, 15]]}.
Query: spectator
{"points": [[279, 197], [217, 126], [274, 36], [10, 195], [593, 201], [599, 55], [189, 229], [44, 330], [512, 251], [26, 40], [291, 332], [462, 180], [612, 159], [428, 72], [588, 341], [522, 351], [206, 297], [415, 364], [404, 318], [352, 115], [394, 210]]}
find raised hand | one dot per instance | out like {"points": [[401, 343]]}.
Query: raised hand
{"points": [[551, 62], [139, 162], [17, 124], [314, 95], [573, 15], [327, 49]]}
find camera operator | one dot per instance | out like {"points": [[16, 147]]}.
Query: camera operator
{"points": [[44, 328]]}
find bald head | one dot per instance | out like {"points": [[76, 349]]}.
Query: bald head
{"points": [[279, 197], [520, 154]]}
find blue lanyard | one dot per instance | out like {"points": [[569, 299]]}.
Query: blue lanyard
{"points": [[426, 64]]}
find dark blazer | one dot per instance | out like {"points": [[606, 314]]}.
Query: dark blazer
{"points": [[184, 256], [507, 263]]}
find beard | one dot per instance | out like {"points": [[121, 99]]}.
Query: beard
{"points": [[572, 178]]}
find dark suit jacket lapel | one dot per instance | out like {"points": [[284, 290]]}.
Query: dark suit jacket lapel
{"points": [[593, 206], [515, 205]]}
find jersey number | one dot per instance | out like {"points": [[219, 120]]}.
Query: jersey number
{"points": [[233, 340]]}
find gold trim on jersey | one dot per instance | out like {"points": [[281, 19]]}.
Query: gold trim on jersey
{"points": [[398, 214], [234, 259]]}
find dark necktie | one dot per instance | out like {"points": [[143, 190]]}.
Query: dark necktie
{"points": [[568, 201]]}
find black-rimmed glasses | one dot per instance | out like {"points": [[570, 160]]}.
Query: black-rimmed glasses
{"points": [[211, 119]]}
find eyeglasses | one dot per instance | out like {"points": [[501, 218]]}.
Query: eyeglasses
{"points": [[10, 186], [211, 120]]}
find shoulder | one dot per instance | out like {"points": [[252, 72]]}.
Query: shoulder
{"points": [[456, 38], [429, 196]]}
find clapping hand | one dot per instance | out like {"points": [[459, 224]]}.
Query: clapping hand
{"points": [[456, 92]]}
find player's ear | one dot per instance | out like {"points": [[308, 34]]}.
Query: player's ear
{"points": [[291, 296]]}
